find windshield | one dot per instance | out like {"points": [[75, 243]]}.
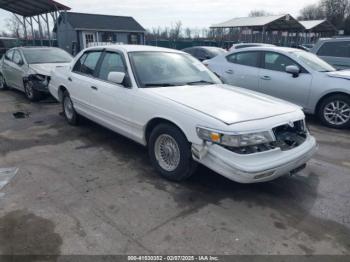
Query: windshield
{"points": [[46, 55], [159, 69], [314, 62]]}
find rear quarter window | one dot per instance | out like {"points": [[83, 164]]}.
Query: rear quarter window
{"points": [[245, 58]]}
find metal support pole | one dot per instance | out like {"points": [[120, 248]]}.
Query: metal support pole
{"points": [[25, 30], [32, 28], [48, 29], [263, 32], [40, 31]]}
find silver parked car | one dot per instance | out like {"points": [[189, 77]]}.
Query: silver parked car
{"points": [[336, 51], [28, 69], [290, 74]]}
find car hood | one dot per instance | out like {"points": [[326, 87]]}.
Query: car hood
{"points": [[226, 103], [345, 74], [45, 69]]}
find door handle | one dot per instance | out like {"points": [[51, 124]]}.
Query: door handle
{"points": [[230, 72], [265, 78], [94, 88], [70, 79]]}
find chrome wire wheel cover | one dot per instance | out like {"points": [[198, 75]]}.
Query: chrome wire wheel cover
{"points": [[29, 89], [2, 82], [337, 112], [68, 107], [167, 152]]}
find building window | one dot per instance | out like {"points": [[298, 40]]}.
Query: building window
{"points": [[108, 37], [134, 39], [89, 38]]}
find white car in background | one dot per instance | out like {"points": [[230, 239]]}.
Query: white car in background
{"points": [[28, 69], [168, 101], [290, 74]]}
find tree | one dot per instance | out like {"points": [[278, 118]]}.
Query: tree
{"points": [[312, 12], [188, 33], [175, 31], [257, 13], [14, 27], [336, 11]]}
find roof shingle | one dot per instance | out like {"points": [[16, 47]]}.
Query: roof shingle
{"points": [[103, 22]]}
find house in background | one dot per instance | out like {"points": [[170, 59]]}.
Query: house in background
{"points": [[76, 31]]}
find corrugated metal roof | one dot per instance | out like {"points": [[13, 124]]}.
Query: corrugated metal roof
{"points": [[312, 23], [31, 7], [102, 22], [249, 21], [319, 26]]}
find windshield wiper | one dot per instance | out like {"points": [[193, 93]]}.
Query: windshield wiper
{"points": [[200, 82], [161, 85]]}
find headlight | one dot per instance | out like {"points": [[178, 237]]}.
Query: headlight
{"points": [[40, 77], [43, 79], [233, 140]]}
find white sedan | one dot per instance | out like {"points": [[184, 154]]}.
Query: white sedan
{"points": [[170, 102], [290, 74]]}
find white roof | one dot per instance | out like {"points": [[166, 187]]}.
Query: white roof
{"points": [[269, 48], [8, 38], [249, 21], [135, 48], [312, 23]]}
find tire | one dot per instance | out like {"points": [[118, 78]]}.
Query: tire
{"points": [[334, 111], [32, 94], [3, 85], [169, 138], [69, 112]]}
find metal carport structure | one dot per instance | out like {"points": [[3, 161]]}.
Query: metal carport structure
{"points": [[33, 11], [266, 29], [315, 29]]}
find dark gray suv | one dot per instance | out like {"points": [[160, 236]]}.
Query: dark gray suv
{"points": [[7, 43], [335, 51]]}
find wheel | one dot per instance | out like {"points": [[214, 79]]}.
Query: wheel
{"points": [[68, 110], [32, 94], [334, 111], [3, 85], [170, 153]]}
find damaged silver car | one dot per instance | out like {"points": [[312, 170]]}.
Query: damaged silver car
{"points": [[28, 69]]}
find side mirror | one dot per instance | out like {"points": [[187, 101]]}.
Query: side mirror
{"points": [[293, 70], [116, 77]]}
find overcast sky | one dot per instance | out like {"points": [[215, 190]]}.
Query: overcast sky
{"points": [[192, 13]]}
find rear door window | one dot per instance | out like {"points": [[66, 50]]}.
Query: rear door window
{"points": [[88, 63], [335, 49], [245, 58]]}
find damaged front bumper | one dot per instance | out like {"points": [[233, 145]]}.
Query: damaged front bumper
{"points": [[258, 167], [40, 83]]}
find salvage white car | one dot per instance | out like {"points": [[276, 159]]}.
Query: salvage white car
{"points": [[167, 100], [28, 69]]}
